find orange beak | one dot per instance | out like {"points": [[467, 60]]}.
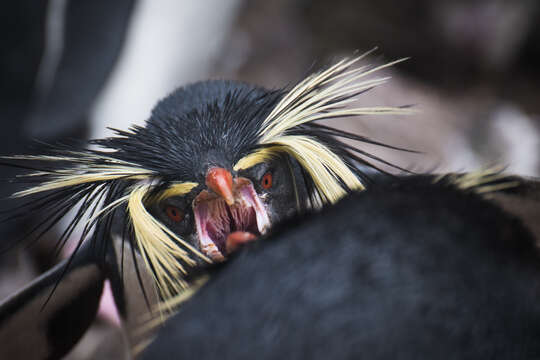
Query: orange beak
{"points": [[220, 181]]}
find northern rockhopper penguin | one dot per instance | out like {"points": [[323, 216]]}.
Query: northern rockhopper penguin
{"points": [[217, 164]]}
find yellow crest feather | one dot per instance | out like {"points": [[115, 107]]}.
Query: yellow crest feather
{"points": [[324, 166], [177, 189], [159, 246], [323, 95], [482, 181], [85, 172]]}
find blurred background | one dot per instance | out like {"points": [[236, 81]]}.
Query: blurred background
{"points": [[71, 68], [471, 73]]}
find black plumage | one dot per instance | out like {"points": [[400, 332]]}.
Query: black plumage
{"points": [[410, 270]]}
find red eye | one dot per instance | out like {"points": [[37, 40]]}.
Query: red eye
{"points": [[174, 214], [266, 181]]}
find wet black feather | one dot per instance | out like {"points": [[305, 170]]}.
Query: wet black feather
{"points": [[204, 124]]}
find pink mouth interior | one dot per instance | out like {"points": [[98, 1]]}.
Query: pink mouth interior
{"points": [[224, 220], [215, 220]]}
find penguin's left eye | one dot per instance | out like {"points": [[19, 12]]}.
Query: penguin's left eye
{"points": [[174, 213], [266, 181]]}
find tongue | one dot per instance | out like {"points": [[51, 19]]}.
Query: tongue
{"points": [[237, 238]]}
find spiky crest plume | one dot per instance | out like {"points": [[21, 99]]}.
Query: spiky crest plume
{"points": [[320, 96], [483, 182], [231, 124]]}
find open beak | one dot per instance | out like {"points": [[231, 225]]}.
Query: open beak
{"points": [[228, 215]]}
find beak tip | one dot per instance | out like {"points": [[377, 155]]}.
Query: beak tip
{"points": [[220, 181]]}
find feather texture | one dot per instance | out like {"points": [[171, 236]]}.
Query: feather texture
{"points": [[324, 95], [230, 124]]}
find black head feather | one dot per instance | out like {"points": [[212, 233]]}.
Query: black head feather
{"points": [[211, 123]]}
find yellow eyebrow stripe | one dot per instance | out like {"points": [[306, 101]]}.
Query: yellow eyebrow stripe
{"points": [[177, 189], [256, 157]]}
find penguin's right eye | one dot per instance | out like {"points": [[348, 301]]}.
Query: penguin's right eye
{"points": [[266, 181], [174, 213]]}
